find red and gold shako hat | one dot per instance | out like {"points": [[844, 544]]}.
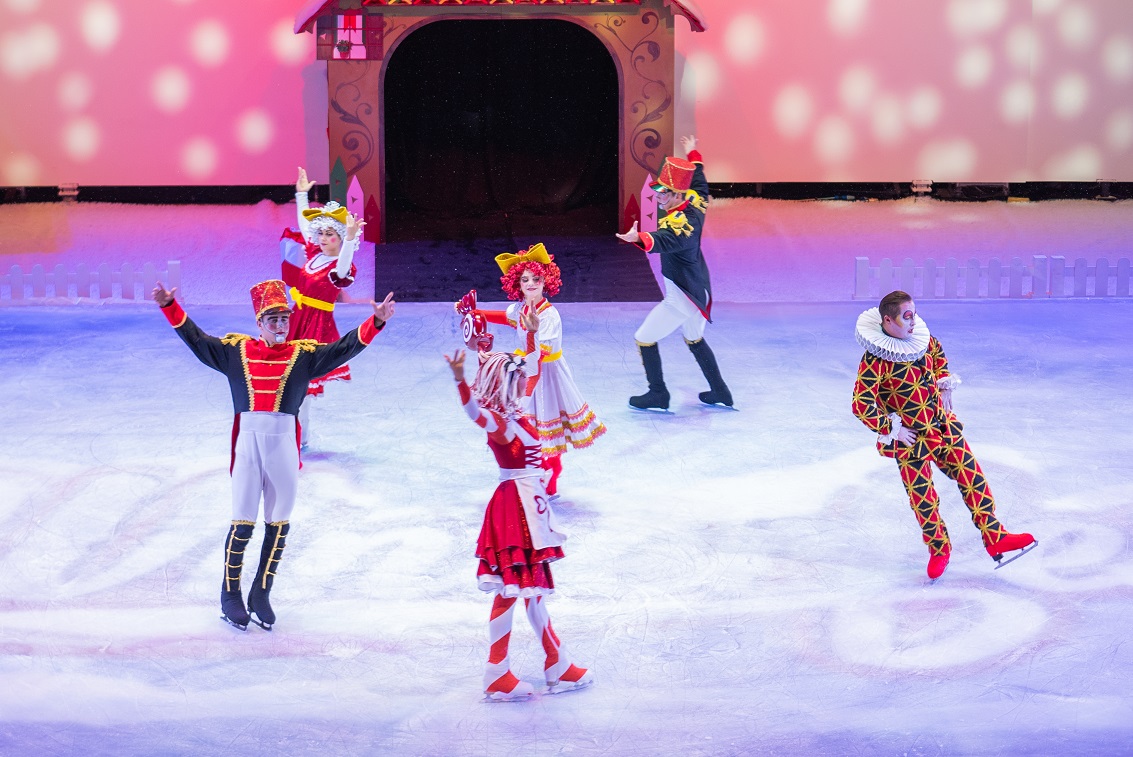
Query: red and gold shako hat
{"points": [[536, 253], [676, 175], [269, 296]]}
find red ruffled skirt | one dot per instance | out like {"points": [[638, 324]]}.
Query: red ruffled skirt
{"points": [[509, 563]]}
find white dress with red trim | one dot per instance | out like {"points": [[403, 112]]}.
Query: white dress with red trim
{"points": [[562, 416]]}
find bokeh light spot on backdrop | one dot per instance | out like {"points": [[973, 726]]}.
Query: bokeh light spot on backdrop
{"points": [[170, 89], [100, 25], [1076, 27], [888, 120], [290, 48], [792, 111], [1021, 47], [81, 139], [199, 158], [1017, 102], [1069, 95], [846, 17], [22, 6], [1045, 7], [974, 66], [75, 91], [856, 88], [972, 18], [209, 43], [26, 51], [1080, 163], [1119, 130], [744, 39], [21, 169], [947, 160], [254, 130], [924, 107], [834, 140], [706, 73], [1117, 57]]}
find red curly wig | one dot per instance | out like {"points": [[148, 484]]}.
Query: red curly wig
{"points": [[552, 278]]}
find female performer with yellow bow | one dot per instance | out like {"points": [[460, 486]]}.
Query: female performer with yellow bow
{"points": [[317, 262], [563, 417]]}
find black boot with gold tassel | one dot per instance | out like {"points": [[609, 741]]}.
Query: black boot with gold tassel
{"points": [[231, 601], [270, 554]]}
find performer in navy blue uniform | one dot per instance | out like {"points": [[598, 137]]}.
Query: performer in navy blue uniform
{"points": [[268, 378], [682, 193]]}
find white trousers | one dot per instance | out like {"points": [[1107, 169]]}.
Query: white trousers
{"points": [[266, 465], [673, 312]]}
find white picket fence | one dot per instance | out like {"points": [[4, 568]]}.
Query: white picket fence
{"points": [[1042, 277], [102, 283]]}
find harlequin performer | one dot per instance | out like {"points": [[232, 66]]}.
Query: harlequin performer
{"points": [[682, 193], [317, 263], [562, 415], [268, 378], [519, 538], [904, 393]]}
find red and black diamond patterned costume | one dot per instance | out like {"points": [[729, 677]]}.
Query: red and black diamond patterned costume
{"points": [[899, 385]]}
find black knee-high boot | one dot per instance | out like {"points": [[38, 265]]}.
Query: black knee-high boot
{"points": [[231, 601], [717, 393], [657, 398], [275, 539]]}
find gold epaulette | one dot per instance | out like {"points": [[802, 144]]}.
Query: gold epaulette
{"points": [[234, 339], [307, 345], [676, 223], [695, 200]]}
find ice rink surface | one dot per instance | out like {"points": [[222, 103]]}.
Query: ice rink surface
{"points": [[745, 582]]}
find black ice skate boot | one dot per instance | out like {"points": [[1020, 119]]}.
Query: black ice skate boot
{"points": [[231, 601], [657, 398], [275, 539], [717, 393]]}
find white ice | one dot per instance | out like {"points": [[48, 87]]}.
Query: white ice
{"points": [[746, 582]]}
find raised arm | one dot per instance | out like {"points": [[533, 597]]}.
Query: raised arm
{"points": [[209, 350], [330, 356], [485, 420], [302, 187]]}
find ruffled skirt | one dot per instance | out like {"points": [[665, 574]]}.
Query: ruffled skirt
{"points": [[509, 562]]}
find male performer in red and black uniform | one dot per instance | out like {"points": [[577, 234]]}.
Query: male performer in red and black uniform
{"points": [[268, 378], [682, 194], [903, 393]]}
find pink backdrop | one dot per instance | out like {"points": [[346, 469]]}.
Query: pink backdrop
{"points": [[110, 92]]}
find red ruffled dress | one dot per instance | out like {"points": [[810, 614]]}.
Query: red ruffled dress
{"points": [[509, 562], [317, 286]]}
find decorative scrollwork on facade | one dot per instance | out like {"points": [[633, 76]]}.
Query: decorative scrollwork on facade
{"points": [[353, 106]]}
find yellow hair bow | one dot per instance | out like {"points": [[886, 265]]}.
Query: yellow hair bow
{"points": [[338, 214], [536, 253]]}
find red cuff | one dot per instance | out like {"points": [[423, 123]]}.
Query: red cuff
{"points": [[465, 392], [368, 330], [695, 157], [495, 316], [646, 241], [174, 314]]}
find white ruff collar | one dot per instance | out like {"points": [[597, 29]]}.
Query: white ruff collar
{"points": [[872, 337]]}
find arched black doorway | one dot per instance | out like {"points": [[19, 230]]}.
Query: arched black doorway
{"points": [[498, 130]]}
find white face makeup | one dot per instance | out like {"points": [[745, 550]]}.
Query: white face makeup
{"points": [[531, 286], [274, 326], [902, 326]]}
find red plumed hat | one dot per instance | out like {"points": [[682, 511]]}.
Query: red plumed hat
{"points": [[268, 296], [676, 175]]}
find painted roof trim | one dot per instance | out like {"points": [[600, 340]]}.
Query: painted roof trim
{"points": [[312, 9]]}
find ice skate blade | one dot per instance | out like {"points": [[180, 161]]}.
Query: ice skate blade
{"points": [[718, 406], [999, 563], [260, 623], [500, 697], [233, 623], [562, 687], [656, 410]]}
